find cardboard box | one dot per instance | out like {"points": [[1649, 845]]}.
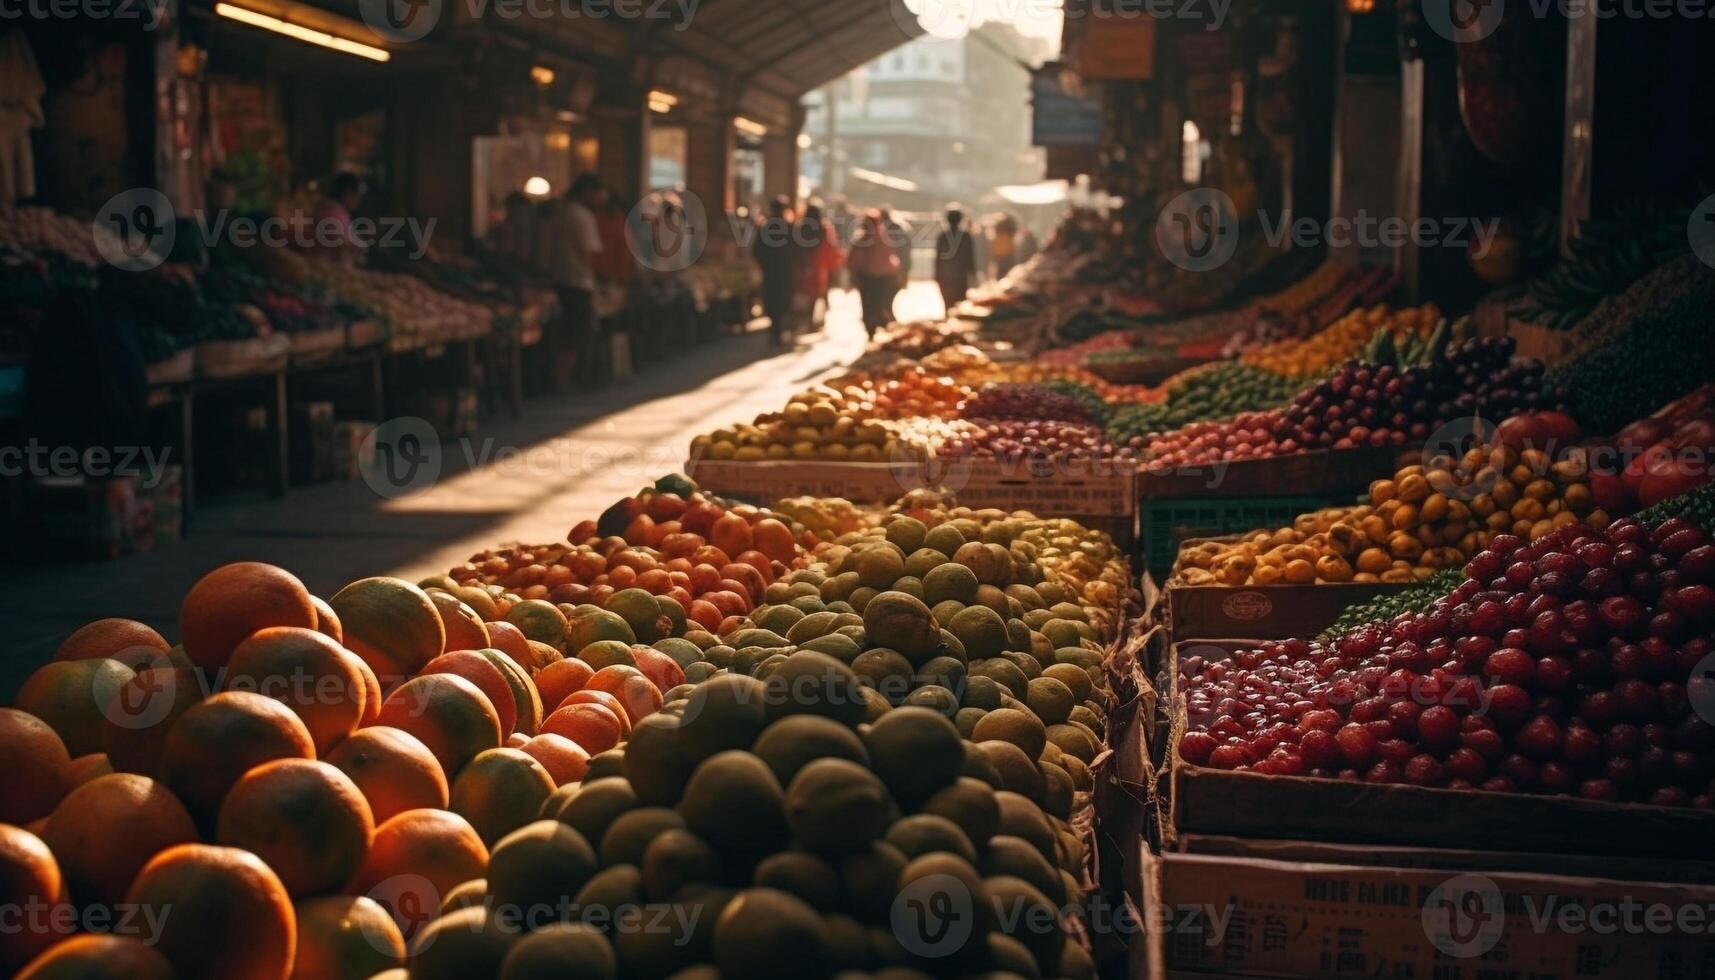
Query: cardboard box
{"points": [[1450, 859], [347, 449], [1317, 473], [1247, 804], [1256, 917], [1095, 490], [1264, 612], [87, 517]]}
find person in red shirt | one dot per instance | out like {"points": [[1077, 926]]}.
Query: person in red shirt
{"points": [[875, 269]]}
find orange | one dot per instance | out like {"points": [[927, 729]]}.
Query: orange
{"points": [[144, 710], [565, 760], [87, 767], [231, 918], [464, 627], [215, 742], [307, 672], [70, 695], [543, 656], [107, 637], [29, 879], [448, 714], [342, 937], [414, 860], [35, 769], [327, 621], [234, 601], [593, 727], [393, 769], [99, 957], [606, 700], [557, 680], [487, 677], [306, 819], [478, 600], [501, 790], [775, 540], [640, 697], [371, 688], [661, 669], [524, 693], [391, 624], [104, 832], [509, 639]]}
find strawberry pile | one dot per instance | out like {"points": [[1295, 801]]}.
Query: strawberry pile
{"points": [[1576, 664]]}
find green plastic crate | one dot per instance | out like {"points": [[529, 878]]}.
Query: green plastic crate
{"points": [[1165, 524]]}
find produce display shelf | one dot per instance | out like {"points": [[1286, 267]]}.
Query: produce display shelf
{"points": [[1164, 525]]}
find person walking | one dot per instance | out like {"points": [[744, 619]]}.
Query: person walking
{"points": [[899, 239], [778, 257], [820, 260], [875, 270], [574, 247], [1003, 244], [955, 260]]}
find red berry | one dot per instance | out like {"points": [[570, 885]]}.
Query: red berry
{"points": [[1467, 765], [1319, 749], [1195, 747], [1598, 789], [1438, 727], [1425, 770], [1385, 771], [1541, 738], [1509, 705], [1357, 745], [1511, 666], [1230, 757]]}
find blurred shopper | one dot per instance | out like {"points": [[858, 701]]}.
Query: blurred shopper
{"points": [[820, 260], [615, 263], [955, 260], [899, 239], [574, 245], [515, 236], [1003, 245], [1028, 246], [334, 238], [874, 266], [778, 256]]}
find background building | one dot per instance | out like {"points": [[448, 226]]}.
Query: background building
{"points": [[933, 121]]}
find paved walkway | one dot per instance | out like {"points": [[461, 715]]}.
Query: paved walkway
{"points": [[528, 479]]}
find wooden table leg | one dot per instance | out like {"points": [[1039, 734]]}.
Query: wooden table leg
{"points": [[377, 388], [282, 448], [187, 468]]}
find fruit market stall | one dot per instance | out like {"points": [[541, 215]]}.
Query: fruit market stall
{"points": [[777, 725]]}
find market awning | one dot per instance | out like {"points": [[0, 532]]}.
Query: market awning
{"points": [[791, 47]]}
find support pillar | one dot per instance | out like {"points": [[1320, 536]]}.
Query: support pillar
{"points": [[708, 165]]}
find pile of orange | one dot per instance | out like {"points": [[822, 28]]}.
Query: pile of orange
{"points": [[293, 789], [713, 560]]}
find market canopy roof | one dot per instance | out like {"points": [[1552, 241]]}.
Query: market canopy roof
{"points": [[791, 47]]}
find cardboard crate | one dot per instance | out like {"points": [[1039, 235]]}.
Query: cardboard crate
{"points": [[1265, 612], [1247, 916], [1097, 490], [1248, 804], [1318, 473]]}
